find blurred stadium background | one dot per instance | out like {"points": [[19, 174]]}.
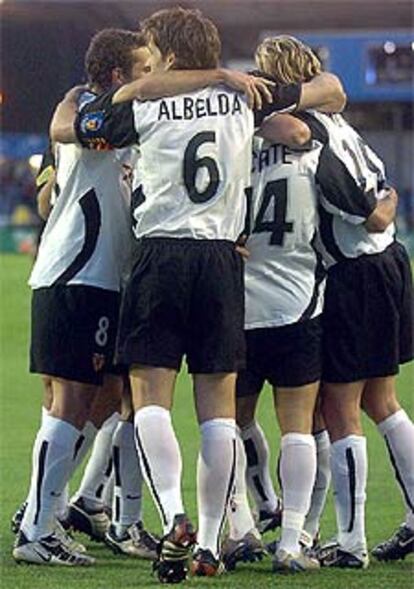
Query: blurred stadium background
{"points": [[368, 43]]}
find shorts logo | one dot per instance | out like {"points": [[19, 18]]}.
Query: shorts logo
{"points": [[92, 122], [98, 361]]}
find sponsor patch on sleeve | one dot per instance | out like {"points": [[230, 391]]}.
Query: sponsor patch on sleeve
{"points": [[91, 123]]}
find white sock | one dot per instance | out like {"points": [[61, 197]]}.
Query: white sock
{"points": [[297, 474], [349, 466], [83, 445], [52, 456], [62, 503], [160, 460], [127, 501], [96, 475], [398, 432], [259, 481], [322, 482], [409, 520], [239, 514], [44, 413], [215, 479], [108, 492]]}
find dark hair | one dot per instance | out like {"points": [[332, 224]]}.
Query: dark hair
{"points": [[109, 49], [193, 38]]}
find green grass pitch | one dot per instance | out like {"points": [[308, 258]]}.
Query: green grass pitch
{"points": [[20, 414]]}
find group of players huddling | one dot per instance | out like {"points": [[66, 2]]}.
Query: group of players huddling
{"points": [[262, 249]]}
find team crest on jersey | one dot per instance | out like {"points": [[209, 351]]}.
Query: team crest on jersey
{"points": [[92, 122], [98, 361]]}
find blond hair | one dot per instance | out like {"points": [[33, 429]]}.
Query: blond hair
{"points": [[287, 59]]}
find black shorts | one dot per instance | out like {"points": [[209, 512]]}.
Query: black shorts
{"points": [[73, 332], [184, 297], [287, 356], [368, 327]]}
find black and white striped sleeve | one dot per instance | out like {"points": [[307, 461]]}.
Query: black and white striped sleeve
{"points": [[340, 193]]}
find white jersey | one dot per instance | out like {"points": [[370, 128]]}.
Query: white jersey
{"points": [[284, 277], [351, 178], [195, 159], [193, 180], [87, 235]]}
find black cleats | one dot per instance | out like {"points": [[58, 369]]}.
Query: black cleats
{"points": [[94, 523], [339, 558], [397, 547], [250, 548]]}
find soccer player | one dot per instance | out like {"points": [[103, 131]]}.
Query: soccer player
{"points": [[87, 509], [88, 513], [367, 327], [76, 281], [284, 300], [185, 294]]}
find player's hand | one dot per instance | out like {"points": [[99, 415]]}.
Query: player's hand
{"points": [[392, 194], [257, 90], [241, 247]]}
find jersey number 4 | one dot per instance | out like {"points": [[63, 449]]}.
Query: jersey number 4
{"points": [[273, 207]]}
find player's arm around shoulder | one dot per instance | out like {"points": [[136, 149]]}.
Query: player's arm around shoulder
{"points": [[62, 127], [324, 93], [174, 82], [98, 124]]}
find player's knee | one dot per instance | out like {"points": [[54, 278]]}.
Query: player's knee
{"points": [[380, 407], [342, 417], [76, 415]]}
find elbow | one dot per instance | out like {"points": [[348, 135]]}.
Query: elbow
{"points": [[377, 223], [338, 98], [54, 133], [339, 94], [139, 90], [341, 100], [300, 137], [62, 133]]}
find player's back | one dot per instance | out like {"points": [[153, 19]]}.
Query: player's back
{"points": [[283, 272], [194, 165], [86, 238]]}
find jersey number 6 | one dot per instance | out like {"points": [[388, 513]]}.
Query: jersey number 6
{"points": [[192, 164]]}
